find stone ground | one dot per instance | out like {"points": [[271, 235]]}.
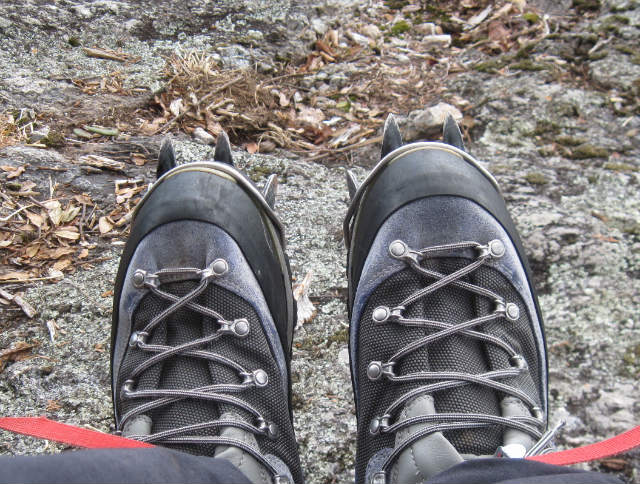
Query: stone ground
{"points": [[565, 154]]}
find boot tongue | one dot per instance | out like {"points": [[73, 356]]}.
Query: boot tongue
{"points": [[426, 457], [245, 462]]}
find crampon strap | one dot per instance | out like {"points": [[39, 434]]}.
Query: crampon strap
{"points": [[43, 428]]}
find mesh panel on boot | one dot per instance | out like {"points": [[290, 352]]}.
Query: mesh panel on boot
{"points": [[252, 352], [454, 353]]}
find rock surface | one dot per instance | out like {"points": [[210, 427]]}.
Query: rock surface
{"points": [[566, 158]]}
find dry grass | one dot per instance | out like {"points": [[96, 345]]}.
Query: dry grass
{"points": [[12, 130]]}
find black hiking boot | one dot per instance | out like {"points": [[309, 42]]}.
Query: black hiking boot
{"points": [[203, 320], [448, 356]]}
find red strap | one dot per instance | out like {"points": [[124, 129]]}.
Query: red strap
{"points": [[44, 428], [606, 448]]}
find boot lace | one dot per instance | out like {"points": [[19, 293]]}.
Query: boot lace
{"points": [[223, 392], [444, 380]]}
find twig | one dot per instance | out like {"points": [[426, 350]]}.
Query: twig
{"points": [[10, 216], [24, 305], [169, 124]]}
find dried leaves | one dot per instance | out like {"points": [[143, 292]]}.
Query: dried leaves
{"points": [[18, 351], [44, 239]]}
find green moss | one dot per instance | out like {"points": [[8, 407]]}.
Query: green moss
{"points": [[396, 4], [601, 54], [74, 41], [631, 228], [618, 19], [531, 17], [53, 140], [593, 179], [529, 65], [620, 167], [535, 178], [525, 51], [340, 336], [588, 151], [544, 127], [570, 140], [586, 5], [491, 66], [631, 361], [546, 151], [400, 27]]}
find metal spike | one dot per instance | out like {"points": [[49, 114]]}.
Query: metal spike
{"points": [[223, 149], [352, 183], [270, 190], [391, 137], [451, 133], [166, 157]]}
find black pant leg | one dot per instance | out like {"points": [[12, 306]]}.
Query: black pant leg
{"points": [[518, 471], [153, 465]]}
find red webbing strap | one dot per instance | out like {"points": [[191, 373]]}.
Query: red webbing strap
{"points": [[606, 448], [44, 428]]}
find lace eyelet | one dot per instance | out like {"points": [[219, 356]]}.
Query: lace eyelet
{"points": [[138, 338], [258, 377], [379, 424], [398, 249], [269, 429], [374, 370], [378, 478], [537, 413], [240, 327], [518, 361], [381, 314], [127, 388], [138, 278]]}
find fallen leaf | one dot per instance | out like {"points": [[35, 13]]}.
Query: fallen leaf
{"points": [[54, 210], [108, 293], [311, 116], [69, 214], [52, 406], [306, 310], [99, 347], [15, 275], [52, 327], [252, 147], [17, 299], [18, 351], [35, 219], [284, 100], [69, 233], [138, 159], [83, 253], [62, 264], [13, 171], [104, 225]]}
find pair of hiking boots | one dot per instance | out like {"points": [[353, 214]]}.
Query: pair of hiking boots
{"points": [[446, 343]]}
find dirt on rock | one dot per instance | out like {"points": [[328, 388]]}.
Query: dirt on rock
{"points": [[555, 116]]}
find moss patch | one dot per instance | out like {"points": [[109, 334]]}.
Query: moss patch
{"points": [[631, 361], [491, 66], [535, 178], [620, 167], [586, 5], [570, 140], [400, 28], [587, 150], [340, 336], [529, 65]]}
